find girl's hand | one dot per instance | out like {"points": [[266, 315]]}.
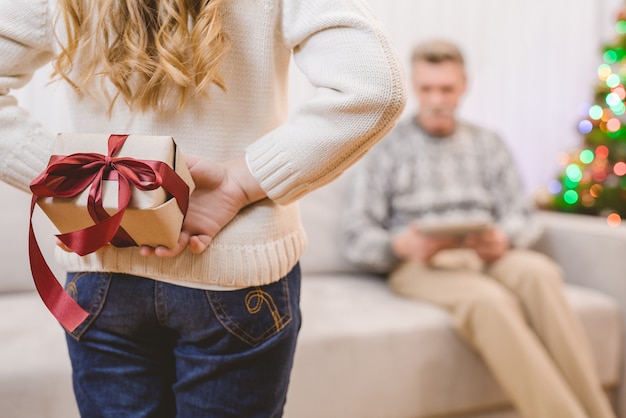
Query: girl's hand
{"points": [[222, 190]]}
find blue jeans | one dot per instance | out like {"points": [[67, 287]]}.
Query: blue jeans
{"points": [[152, 349]]}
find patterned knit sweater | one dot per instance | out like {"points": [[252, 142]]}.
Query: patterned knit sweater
{"points": [[360, 93], [412, 176]]}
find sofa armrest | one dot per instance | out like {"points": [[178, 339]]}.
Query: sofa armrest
{"points": [[592, 254]]}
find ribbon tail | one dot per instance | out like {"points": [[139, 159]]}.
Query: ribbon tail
{"points": [[122, 238], [175, 186], [65, 309], [88, 240]]}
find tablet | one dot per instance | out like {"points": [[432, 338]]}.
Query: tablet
{"points": [[452, 228]]}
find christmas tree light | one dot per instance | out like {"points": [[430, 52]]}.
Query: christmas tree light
{"points": [[593, 178]]}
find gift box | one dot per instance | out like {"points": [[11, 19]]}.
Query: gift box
{"points": [[98, 189], [151, 217]]}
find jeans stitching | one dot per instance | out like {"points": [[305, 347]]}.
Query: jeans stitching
{"points": [[95, 304], [261, 297], [238, 331]]}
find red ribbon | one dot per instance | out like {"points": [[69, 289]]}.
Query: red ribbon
{"points": [[68, 176]]}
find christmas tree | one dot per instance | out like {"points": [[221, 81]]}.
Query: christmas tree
{"points": [[593, 180]]}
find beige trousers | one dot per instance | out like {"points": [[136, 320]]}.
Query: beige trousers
{"points": [[514, 313]]}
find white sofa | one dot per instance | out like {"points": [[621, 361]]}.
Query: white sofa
{"points": [[363, 352]]}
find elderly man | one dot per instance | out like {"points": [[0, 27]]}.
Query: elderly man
{"points": [[439, 207]]}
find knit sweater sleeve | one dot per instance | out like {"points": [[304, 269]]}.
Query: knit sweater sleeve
{"points": [[25, 45], [359, 94], [512, 209], [366, 221]]}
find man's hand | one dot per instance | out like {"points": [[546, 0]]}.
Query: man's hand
{"points": [[490, 244], [412, 245], [222, 190]]}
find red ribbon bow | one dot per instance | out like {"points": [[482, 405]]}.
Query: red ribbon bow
{"points": [[68, 176]]}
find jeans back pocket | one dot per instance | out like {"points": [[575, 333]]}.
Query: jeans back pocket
{"points": [[253, 314], [90, 291]]}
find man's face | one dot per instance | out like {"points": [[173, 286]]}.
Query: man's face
{"points": [[438, 89]]}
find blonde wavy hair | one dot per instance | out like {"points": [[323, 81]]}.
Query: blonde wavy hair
{"points": [[156, 53]]}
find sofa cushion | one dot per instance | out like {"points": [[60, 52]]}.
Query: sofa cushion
{"points": [[14, 275], [36, 375], [15, 271], [359, 341], [321, 217]]}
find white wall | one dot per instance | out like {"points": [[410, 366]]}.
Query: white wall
{"points": [[532, 65]]}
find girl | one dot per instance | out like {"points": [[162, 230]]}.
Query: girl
{"points": [[207, 328]]}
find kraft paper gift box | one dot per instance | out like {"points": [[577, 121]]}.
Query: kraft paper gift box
{"points": [[151, 218]]}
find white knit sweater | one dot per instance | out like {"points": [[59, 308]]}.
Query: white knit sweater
{"points": [[360, 93]]}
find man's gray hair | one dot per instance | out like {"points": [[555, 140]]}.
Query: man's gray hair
{"points": [[437, 51]]}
